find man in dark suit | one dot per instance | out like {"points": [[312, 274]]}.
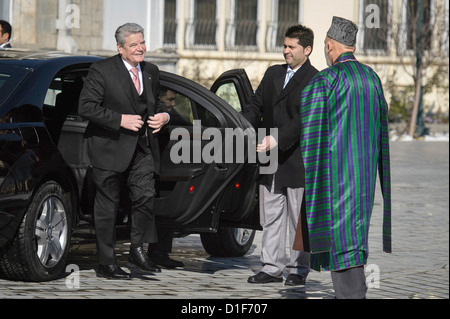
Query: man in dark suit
{"points": [[277, 102], [5, 34], [120, 100]]}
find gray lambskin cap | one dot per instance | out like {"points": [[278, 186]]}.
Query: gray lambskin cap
{"points": [[343, 31]]}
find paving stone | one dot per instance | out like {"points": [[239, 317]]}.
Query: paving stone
{"points": [[418, 268]]}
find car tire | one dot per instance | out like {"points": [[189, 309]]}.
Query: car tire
{"points": [[228, 242], [39, 250]]}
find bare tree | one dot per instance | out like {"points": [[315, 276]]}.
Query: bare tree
{"points": [[422, 46], [418, 30]]}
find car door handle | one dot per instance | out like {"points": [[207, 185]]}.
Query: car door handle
{"points": [[220, 167]]}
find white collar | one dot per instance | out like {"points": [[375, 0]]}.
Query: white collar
{"points": [[289, 68], [129, 67], [4, 44]]}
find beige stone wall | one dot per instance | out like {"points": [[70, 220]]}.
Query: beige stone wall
{"points": [[90, 34], [34, 24]]}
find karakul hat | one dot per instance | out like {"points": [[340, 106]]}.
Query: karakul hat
{"points": [[343, 31]]}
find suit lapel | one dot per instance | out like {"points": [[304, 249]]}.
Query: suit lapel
{"points": [[279, 80], [125, 81], [147, 80], [296, 80]]}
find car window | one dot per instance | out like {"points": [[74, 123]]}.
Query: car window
{"points": [[3, 79], [183, 111], [61, 101], [52, 92], [229, 94], [178, 106], [63, 94], [208, 119], [10, 78]]}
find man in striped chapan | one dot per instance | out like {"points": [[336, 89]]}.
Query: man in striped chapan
{"points": [[344, 140]]}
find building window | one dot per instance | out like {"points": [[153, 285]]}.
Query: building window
{"points": [[170, 22], [201, 25], [285, 13], [424, 32], [246, 22], [374, 25], [242, 26], [287, 16], [205, 22]]}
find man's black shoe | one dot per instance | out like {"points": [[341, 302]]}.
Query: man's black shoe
{"points": [[163, 260], [112, 272], [139, 260], [294, 280], [263, 278]]}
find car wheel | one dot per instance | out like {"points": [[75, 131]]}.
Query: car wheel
{"points": [[40, 248], [228, 242]]}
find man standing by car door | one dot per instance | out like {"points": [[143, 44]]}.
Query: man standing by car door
{"points": [[281, 194], [121, 94]]}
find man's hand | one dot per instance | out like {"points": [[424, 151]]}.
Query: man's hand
{"points": [[267, 144], [131, 122], [157, 121]]}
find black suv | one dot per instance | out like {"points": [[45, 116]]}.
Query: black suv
{"points": [[45, 185]]}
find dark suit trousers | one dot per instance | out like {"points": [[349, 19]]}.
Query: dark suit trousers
{"points": [[165, 240], [140, 181]]}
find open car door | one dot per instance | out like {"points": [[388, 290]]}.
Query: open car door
{"points": [[235, 88], [199, 186]]}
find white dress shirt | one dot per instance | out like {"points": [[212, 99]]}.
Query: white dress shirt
{"points": [[129, 67]]}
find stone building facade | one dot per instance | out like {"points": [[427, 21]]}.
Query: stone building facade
{"points": [[200, 39]]}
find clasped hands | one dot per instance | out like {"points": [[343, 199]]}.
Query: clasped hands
{"points": [[135, 122]]}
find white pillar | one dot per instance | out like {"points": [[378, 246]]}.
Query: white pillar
{"points": [[68, 18], [155, 25]]}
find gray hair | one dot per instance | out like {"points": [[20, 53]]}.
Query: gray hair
{"points": [[125, 30]]}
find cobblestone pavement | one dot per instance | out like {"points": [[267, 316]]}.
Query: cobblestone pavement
{"points": [[417, 269]]}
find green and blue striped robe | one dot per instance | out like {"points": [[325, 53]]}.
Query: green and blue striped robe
{"points": [[344, 140]]}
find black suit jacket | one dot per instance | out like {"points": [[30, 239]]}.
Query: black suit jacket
{"points": [[108, 93], [280, 108]]}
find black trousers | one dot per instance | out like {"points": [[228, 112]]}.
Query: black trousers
{"points": [[139, 178], [165, 240]]}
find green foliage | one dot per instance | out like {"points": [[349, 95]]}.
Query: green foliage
{"points": [[401, 104]]}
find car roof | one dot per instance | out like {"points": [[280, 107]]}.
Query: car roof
{"points": [[33, 58], [38, 69], [25, 54]]}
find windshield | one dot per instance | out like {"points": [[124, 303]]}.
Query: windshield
{"points": [[10, 78]]}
